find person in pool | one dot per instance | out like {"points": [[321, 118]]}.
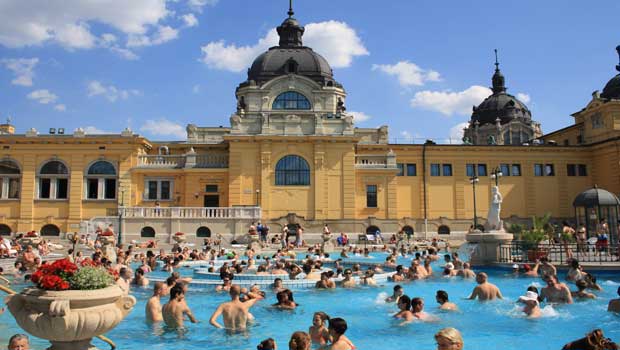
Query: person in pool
{"points": [[153, 306], [417, 308], [277, 285], [444, 304], [399, 276], [337, 328], [398, 292], [285, 300], [581, 292], [19, 342], [614, 304], [485, 290], [267, 344], [326, 282], [176, 309], [235, 312], [404, 307], [318, 331], [300, 341], [555, 292], [466, 272], [348, 281], [449, 339], [532, 307]]}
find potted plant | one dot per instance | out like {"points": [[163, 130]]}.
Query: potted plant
{"points": [[531, 238], [30, 238], [107, 237], [179, 237], [70, 304]]}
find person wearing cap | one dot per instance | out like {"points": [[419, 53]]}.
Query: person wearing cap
{"points": [[515, 270], [532, 307]]}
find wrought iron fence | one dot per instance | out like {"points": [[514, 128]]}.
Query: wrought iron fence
{"points": [[558, 253]]}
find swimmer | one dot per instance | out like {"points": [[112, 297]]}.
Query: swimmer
{"points": [[277, 285], [319, 334], [449, 338], [235, 312], [337, 328], [515, 270], [404, 305], [153, 306], [369, 278], [398, 292], [226, 285], [267, 344], [348, 281], [139, 279], [581, 291], [325, 282], [528, 271], [300, 341], [253, 293], [444, 303], [176, 309], [399, 276], [614, 304], [555, 292], [417, 308], [532, 307], [546, 268], [485, 290], [19, 342], [466, 272], [285, 300]]}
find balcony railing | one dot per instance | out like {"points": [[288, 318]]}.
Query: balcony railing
{"points": [[557, 253], [183, 161], [190, 213], [380, 161]]}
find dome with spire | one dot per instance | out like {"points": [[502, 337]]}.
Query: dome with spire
{"points": [[291, 57], [612, 89], [500, 104]]}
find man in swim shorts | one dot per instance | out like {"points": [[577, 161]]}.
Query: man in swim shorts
{"points": [[235, 312], [484, 290], [555, 292], [176, 309]]}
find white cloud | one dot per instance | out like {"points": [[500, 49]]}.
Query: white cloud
{"points": [[60, 107], [33, 22], [456, 133], [523, 97], [336, 41], [23, 68], [197, 5], [190, 20], [163, 35], [94, 130], [360, 117], [408, 73], [110, 92], [164, 127], [449, 103], [42, 96]]}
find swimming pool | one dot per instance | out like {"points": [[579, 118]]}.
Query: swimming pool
{"points": [[483, 325]]}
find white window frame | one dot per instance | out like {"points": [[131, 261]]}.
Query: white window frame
{"points": [[53, 182], [159, 180], [100, 182], [4, 194]]}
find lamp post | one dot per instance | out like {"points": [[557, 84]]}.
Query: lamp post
{"points": [[120, 215], [257, 194], [496, 174], [474, 180]]}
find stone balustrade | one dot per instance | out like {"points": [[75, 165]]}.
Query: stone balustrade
{"points": [[375, 161], [189, 160], [190, 212]]}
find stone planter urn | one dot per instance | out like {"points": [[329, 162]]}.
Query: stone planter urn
{"points": [[70, 319], [105, 240], [180, 238]]}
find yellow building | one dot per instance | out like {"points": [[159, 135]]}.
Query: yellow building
{"points": [[292, 155]]}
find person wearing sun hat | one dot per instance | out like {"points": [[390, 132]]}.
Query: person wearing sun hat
{"points": [[515, 270], [532, 307]]}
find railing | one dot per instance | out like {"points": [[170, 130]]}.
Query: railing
{"points": [[558, 253], [374, 162], [190, 213], [183, 161]]}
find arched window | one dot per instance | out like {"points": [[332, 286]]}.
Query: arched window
{"points": [[10, 179], [443, 230], [5, 230], [203, 231], [147, 231], [50, 230], [372, 230], [291, 100], [100, 181], [53, 180], [292, 171], [408, 230]]}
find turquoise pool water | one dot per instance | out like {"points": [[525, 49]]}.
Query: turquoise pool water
{"points": [[483, 325]]}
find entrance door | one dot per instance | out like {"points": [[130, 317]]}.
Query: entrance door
{"points": [[212, 201]]}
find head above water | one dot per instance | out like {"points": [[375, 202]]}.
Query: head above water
{"points": [[449, 338], [441, 296], [338, 325], [481, 277]]}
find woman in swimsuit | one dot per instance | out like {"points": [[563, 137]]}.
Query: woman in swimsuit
{"points": [[318, 332], [337, 328], [405, 313]]}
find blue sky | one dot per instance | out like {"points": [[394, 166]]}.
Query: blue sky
{"points": [[417, 66]]}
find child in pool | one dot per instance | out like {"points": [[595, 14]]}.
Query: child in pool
{"points": [[318, 331]]}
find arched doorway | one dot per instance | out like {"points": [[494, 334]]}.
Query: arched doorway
{"points": [[147, 231], [50, 230], [203, 231], [408, 230], [443, 230], [5, 230]]}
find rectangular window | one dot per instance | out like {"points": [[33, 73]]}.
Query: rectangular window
{"points": [[62, 188], [110, 189], [571, 170], [401, 169], [165, 190], [152, 190], [470, 170], [549, 171], [505, 169], [92, 189], [447, 170], [538, 170], [482, 170], [211, 188], [412, 170], [14, 184], [582, 170], [45, 188], [516, 170], [435, 170], [371, 196]]}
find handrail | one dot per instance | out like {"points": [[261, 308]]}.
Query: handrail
{"points": [[520, 251]]}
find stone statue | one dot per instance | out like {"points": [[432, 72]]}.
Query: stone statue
{"points": [[340, 108], [235, 121], [491, 140], [241, 105], [466, 140], [494, 223]]}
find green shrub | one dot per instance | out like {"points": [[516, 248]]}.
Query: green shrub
{"points": [[90, 277]]}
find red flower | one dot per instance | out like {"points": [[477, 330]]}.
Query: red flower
{"points": [[53, 282], [179, 234], [107, 234], [89, 262]]}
